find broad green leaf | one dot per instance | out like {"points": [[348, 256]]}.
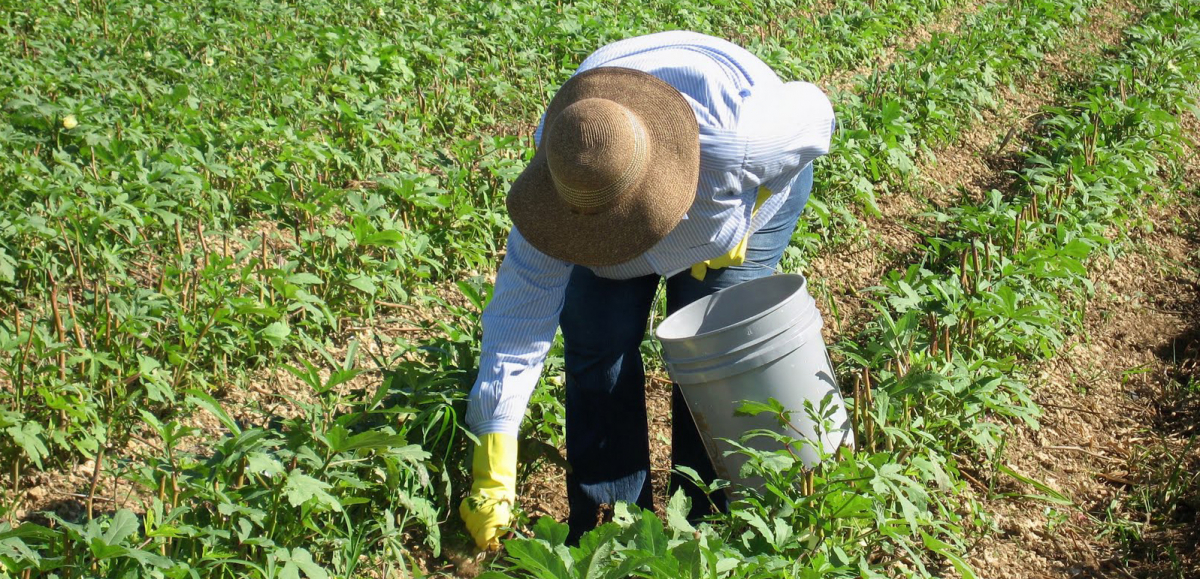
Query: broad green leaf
{"points": [[412, 453], [691, 560], [1052, 495], [27, 530], [386, 238], [677, 512], [757, 522], [536, 558], [303, 559], [754, 407], [371, 439], [362, 283], [215, 408], [101, 550], [14, 549], [551, 531], [8, 272], [301, 488], [148, 559], [726, 565], [123, 524], [949, 553], [598, 560], [28, 436], [651, 537], [263, 464], [276, 333], [625, 568], [304, 279]]}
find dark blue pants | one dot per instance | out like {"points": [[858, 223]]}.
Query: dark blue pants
{"points": [[604, 323]]}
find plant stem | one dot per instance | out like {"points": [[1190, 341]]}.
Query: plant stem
{"points": [[58, 325], [95, 480]]}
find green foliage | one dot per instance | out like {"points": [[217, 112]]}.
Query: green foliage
{"points": [[925, 98], [195, 193], [308, 493]]}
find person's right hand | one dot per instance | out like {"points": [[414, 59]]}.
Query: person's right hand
{"points": [[487, 511]]}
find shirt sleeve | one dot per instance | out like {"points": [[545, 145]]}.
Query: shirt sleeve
{"points": [[518, 327], [786, 127]]}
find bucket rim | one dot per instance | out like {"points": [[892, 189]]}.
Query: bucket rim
{"points": [[743, 362], [761, 340], [741, 323]]}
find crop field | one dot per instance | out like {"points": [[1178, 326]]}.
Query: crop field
{"points": [[244, 248]]}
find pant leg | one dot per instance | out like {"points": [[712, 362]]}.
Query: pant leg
{"points": [[603, 323], [763, 252]]}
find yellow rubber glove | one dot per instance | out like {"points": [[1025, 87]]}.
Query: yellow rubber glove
{"points": [[736, 256], [488, 509]]}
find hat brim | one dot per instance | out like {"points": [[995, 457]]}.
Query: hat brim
{"points": [[642, 215]]}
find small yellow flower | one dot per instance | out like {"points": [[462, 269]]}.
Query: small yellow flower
{"points": [[208, 61], [69, 122]]}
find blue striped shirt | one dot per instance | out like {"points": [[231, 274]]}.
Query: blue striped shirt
{"points": [[755, 131]]}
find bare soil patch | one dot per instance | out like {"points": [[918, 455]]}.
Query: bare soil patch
{"points": [[981, 160], [1120, 413], [945, 23]]}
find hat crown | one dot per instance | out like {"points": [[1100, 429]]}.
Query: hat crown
{"points": [[595, 150]]}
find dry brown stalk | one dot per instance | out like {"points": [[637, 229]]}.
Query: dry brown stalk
{"points": [[179, 247], [194, 294], [1094, 140], [203, 243], [58, 325], [21, 365], [933, 335], [962, 271], [107, 320], [95, 480], [975, 261], [858, 408], [1016, 234], [62, 230], [262, 296], [870, 404], [75, 326], [17, 381], [16, 477], [1115, 479], [1082, 450]]}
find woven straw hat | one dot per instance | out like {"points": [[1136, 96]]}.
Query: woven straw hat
{"points": [[615, 171]]}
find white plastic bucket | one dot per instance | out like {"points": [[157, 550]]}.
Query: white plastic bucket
{"points": [[754, 341]]}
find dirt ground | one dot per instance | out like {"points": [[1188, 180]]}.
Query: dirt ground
{"points": [[1122, 408], [1118, 433]]}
